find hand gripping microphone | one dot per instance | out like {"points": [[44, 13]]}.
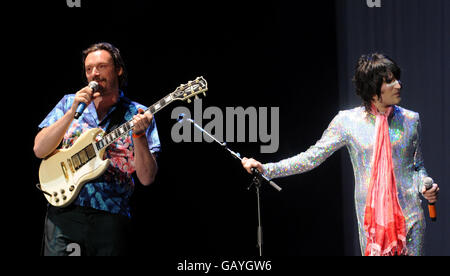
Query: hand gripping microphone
{"points": [[81, 106], [428, 182]]}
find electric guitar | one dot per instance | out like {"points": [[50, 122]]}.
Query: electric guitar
{"points": [[63, 173]]}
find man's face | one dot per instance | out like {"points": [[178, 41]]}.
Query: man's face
{"points": [[99, 67], [390, 91]]}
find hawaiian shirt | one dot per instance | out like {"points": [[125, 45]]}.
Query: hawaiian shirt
{"points": [[111, 191]]}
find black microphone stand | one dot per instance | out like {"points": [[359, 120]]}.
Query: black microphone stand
{"points": [[258, 178]]}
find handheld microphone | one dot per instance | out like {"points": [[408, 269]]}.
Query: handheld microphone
{"points": [[81, 106], [428, 181]]}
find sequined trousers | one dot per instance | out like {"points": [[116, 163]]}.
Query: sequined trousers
{"points": [[355, 129]]}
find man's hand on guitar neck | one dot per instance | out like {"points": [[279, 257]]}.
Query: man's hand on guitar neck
{"points": [[145, 162], [141, 122]]}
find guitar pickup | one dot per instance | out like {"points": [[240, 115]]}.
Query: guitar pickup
{"points": [[76, 162], [90, 152], [83, 157]]}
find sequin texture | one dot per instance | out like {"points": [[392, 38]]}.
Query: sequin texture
{"points": [[355, 129]]}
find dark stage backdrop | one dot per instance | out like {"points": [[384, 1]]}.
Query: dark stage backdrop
{"points": [[416, 35], [253, 55]]}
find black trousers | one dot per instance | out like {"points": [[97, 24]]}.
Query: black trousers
{"points": [[83, 231]]}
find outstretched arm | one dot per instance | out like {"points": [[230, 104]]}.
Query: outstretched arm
{"points": [[332, 139]]}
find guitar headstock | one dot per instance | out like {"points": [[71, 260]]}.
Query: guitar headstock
{"points": [[190, 89]]}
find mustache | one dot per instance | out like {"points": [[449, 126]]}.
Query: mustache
{"points": [[98, 79]]}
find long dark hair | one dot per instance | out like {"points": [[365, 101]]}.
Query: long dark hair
{"points": [[117, 58], [371, 70]]}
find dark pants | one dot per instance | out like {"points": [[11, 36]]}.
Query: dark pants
{"points": [[82, 231]]}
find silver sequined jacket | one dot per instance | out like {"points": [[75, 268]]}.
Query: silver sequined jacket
{"points": [[355, 129]]}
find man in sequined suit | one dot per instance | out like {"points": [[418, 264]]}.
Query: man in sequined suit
{"points": [[377, 81]]}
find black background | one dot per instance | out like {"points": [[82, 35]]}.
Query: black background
{"points": [[260, 55], [278, 54]]}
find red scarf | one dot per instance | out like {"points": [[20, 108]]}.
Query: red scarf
{"points": [[384, 222]]}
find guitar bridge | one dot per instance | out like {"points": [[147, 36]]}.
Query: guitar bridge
{"points": [[64, 169]]}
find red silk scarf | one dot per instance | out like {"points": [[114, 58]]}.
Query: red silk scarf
{"points": [[384, 222]]}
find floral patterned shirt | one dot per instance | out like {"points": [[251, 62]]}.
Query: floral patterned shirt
{"points": [[111, 191]]}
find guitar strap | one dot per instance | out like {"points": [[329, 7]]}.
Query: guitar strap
{"points": [[117, 116]]}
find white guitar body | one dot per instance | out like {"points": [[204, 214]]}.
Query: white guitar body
{"points": [[63, 174]]}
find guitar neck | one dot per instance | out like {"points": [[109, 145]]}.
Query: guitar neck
{"points": [[125, 128]]}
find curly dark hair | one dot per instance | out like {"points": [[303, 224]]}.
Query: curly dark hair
{"points": [[370, 73], [115, 54]]}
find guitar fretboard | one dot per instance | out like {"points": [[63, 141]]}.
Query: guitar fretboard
{"points": [[124, 129]]}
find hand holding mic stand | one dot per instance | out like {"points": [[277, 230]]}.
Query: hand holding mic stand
{"points": [[258, 177]]}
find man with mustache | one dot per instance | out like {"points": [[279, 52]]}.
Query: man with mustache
{"points": [[98, 221], [383, 140]]}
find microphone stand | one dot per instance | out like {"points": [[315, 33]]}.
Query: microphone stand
{"points": [[258, 178]]}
